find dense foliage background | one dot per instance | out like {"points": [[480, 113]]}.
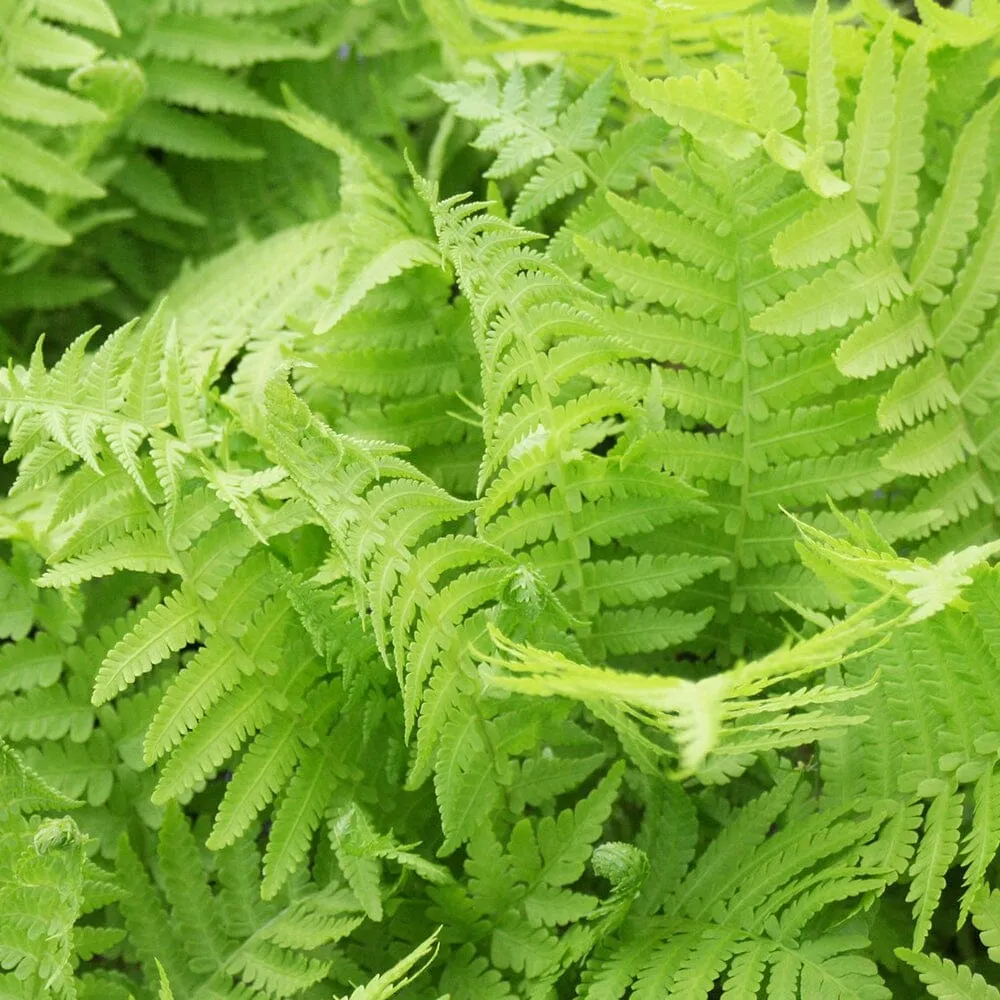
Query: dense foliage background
{"points": [[499, 499]]}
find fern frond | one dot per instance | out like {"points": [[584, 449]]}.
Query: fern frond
{"points": [[916, 315], [855, 287], [938, 849], [741, 436], [829, 231], [696, 714], [712, 934], [894, 336], [297, 817], [503, 587], [46, 886], [167, 628], [383, 243], [820, 123], [954, 28], [590, 35], [897, 210], [959, 319], [943, 978], [775, 107], [946, 232], [922, 757], [869, 135], [200, 945], [532, 343], [714, 108]]}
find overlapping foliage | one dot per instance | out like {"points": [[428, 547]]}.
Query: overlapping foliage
{"points": [[397, 598]]}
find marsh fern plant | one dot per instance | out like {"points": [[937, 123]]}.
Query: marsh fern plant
{"points": [[499, 500]]}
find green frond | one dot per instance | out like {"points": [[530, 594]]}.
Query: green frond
{"points": [[538, 129], [698, 715], [980, 844], [167, 628], [90, 405], [195, 913], [984, 916], [296, 818], [856, 287], [811, 431], [28, 163], [668, 283], [625, 581], [465, 781], [714, 108], [505, 593], [615, 164], [382, 243], [671, 231], [232, 721], [712, 934], [957, 322], [141, 552], [187, 134], [869, 135], [775, 107], [45, 147], [916, 392], [350, 833], [696, 201], [954, 28], [41, 897], [31, 663], [388, 983], [933, 447], [204, 88], [644, 630], [166, 993], [215, 670], [897, 208], [224, 43], [829, 231], [937, 850], [945, 979], [592, 35], [894, 336], [264, 770], [821, 117], [920, 757], [23, 790], [947, 230], [190, 933]]}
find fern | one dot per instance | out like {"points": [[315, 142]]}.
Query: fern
{"points": [[558, 146], [763, 422], [742, 919], [393, 359], [532, 342], [412, 601], [942, 751], [425, 629], [926, 754], [38, 178], [47, 886], [593, 34], [176, 93], [230, 600], [205, 941], [862, 283], [527, 880], [919, 315], [941, 976]]}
